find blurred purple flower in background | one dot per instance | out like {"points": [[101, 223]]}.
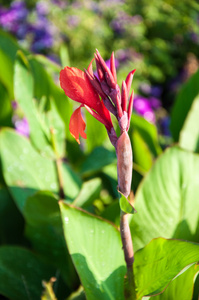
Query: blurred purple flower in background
{"points": [[14, 19], [22, 127], [146, 107], [40, 31], [60, 3], [19, 121], [143, 108]]}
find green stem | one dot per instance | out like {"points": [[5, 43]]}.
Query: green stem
{"points": [[58, 162]]}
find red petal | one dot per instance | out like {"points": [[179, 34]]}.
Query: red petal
{"points": [[76, 86], [90, 67], [113, 68], [77, 125], [128, 81]]}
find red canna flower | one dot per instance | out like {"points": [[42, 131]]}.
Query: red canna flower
{"points": [[77, 86], [99, 96]]}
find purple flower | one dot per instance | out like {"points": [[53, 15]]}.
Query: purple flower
{"points": [[59, 3], [156, 91], [42, 8], [13, 18], [42, 40], [142, 107], [22, 127], [154, 103]]}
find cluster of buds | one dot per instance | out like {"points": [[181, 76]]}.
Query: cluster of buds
{"points": [[101, 96], [106, 86]]}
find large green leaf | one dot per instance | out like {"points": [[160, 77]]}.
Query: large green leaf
{"points": [[44, 230], [167, 199], [5, 104], [8, 49], [159, 262], [181, 287], [96, 250], [189, 135], [48, 88], [24, 93], [21, 274], [26, 171], [52, 125], [183, 104], [144, 143]]}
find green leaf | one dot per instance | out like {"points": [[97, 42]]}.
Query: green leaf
{"points": [[183, 104], [141, 153], [148, 132], [43, 225], [64, 55], [166, 200], [39, 75], [96, 133], [96, 250], [78, 295], [112, 213], [54, 127], [21, 274], [181, 287], [26, 171], [189, 135], [90, 191], [125, 205], [48, 88], [6, 109], [110, 178], [8, 49], [24, 93], [47, 63], [99, 158], [159, 262]]}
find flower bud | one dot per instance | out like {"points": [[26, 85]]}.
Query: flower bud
{"points": [[124, 163]]}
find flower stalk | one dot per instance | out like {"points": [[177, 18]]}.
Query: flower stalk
{"points": [[101, 96]]}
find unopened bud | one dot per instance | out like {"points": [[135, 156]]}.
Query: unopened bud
{"points": [[124, 163]]}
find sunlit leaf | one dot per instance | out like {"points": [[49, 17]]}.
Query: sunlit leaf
{"points": [[24, 93], [166, 200], [181, 287], [159, 262], [26, 171], [96, 250], [189, 135], [183, 104]]}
